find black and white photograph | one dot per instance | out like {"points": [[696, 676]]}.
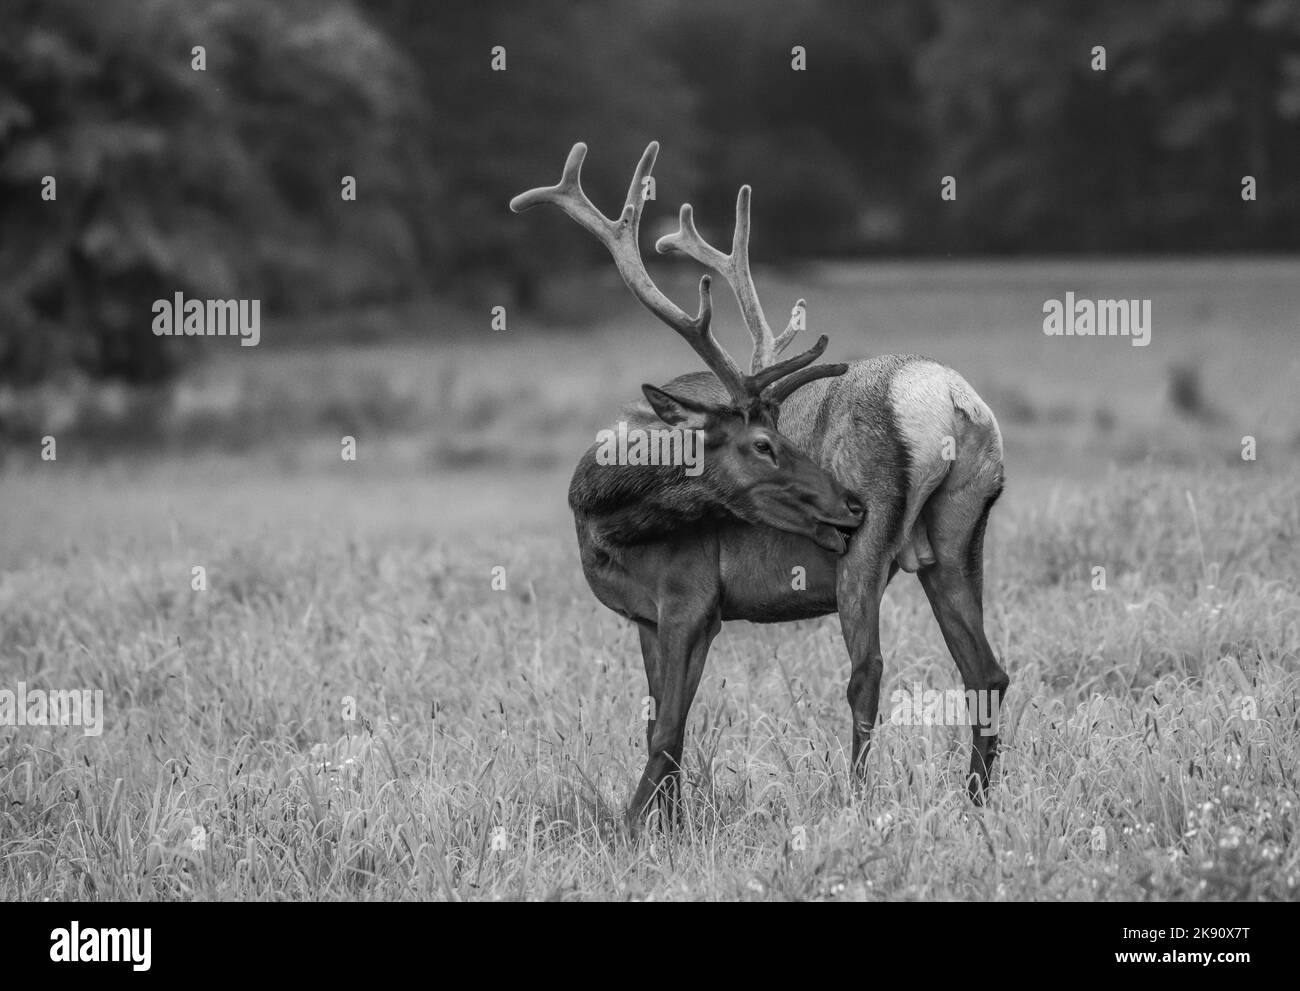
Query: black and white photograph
{"points": [[675, 451]]}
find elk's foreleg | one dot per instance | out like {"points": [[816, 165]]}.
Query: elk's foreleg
{"points": [[680, 649], [650, 657]]}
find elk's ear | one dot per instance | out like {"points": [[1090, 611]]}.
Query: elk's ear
{"points": [[676, 411]]}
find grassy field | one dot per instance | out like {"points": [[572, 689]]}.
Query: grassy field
{"points": [[1150, 749]]}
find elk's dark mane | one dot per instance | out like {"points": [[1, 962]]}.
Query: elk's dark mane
{"points": [[632, 504]]}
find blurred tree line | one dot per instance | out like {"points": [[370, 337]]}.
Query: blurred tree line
{"points": [[226, 182]]}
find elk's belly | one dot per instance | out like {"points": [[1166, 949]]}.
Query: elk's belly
{"points": [[772, 577]]}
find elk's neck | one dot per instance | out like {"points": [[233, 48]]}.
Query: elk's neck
{"points": [[624, 505]]}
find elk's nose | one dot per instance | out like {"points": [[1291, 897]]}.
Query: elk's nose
{"points": [[854, 505]]}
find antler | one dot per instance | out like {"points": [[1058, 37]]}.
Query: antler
{"points": [[620, 238], [770, 381], [734, 268], [777, 381]]}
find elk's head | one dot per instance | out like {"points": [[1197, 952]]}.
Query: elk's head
{"points": [[753, 471], [756, 473]]}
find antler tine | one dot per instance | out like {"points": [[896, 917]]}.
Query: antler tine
{"points": [[635, 201], [733, 267], [619, 236], [688, 241], [785, 377], [790, 383], [567, 194], [778, 381], [740, 236], [791, 328], [761, 380]]}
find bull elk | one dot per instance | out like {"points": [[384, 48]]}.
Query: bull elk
{"points": [[888, 463]]}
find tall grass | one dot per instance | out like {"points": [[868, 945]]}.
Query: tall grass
{"points": [[498, 732]]}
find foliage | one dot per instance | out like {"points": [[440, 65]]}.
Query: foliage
{"points": [[226, 182]]}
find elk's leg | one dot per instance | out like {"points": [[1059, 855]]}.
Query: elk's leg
{"points": [[683, 648], [864, 572], [694, 672], [650, 656], [954, 585]]}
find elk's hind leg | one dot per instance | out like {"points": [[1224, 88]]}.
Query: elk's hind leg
{"points": [[956, 518], [864, 572]]}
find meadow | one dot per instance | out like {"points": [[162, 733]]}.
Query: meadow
{"points": [[350, 710]]}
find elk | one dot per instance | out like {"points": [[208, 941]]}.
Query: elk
{"points": [[850, 471]]}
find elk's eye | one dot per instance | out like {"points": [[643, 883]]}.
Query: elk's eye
{"points": [[762, 446]]}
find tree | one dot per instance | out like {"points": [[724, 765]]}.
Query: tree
{"points": [[1146, 155], [222, 182], [574, 71]]}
